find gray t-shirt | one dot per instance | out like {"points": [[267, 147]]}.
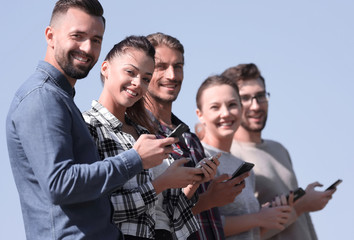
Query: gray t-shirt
{"points": [[274, 176], [245, 202]]}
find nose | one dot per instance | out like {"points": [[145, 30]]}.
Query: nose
{"points": [[225, 111], [136, 81], [170, 73], [86, 46], [254, 104]]}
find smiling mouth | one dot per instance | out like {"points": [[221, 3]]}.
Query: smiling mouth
{"points": [[170, 86], [84, 58], [131, 92], [226, 124]]}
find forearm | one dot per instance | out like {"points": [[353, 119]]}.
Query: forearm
{"points": [[190, 190], [268, 233], [300, 208], [238, 224], [160, 184], [203, 204]]}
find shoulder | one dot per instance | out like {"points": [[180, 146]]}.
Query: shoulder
{"points": [[273, 144]]}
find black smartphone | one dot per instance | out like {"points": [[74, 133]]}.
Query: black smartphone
{"points": [[177, 132], [298, 193], [334, 185], [245, 167]]}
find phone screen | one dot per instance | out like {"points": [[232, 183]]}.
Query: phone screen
{"points": [[177, 132], [334, 185], [245, 167]]}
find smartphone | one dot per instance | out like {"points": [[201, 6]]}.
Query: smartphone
{"points": [[177, 132], [334, 185], [298, 193], [245, 167], [209, 158]]}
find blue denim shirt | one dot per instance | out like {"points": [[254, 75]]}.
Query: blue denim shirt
{"points": [[63, 186]]}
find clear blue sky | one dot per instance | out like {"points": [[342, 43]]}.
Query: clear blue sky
{"points": [[305, 50]]}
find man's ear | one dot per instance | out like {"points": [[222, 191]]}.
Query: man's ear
{"points": [[49, 36]]}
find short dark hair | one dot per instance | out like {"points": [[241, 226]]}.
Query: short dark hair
{"points": [[244, 72], [158, 39], [92, 7], [215, 80]]}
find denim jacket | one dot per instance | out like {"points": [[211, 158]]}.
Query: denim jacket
{"points": [[63, 185]]}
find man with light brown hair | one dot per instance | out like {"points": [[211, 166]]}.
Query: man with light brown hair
{"points": [[273, 167]]}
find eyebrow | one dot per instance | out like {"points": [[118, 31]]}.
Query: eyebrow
{"points": [[129, 64], [160, 61], [264, 91], [85, 33]]}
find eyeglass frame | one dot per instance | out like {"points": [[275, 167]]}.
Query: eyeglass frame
{"points": [[257, 96]]}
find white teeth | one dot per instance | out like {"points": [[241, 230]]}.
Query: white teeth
{"points": [[131, 92], [81, 59], [225, 124]]}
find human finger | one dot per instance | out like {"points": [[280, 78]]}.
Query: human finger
{"points": [[315, 184], [181, 161], [277, 201], [221, 178], [291, 198], [216, 159], [169, 141], [239, 179], [283, 200]]}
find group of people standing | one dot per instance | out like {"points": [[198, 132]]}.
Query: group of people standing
{"points": [[112, 172]]}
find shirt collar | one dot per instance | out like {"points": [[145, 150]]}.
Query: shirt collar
{"points": [[114, 122], [56, 77], [107, 115]]}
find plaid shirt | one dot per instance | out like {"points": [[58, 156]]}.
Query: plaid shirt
{"points": [[210, 222], [134, 203]]}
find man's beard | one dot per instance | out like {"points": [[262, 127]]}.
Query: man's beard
{"points": [[158, 99], [258, 128], [76, 72]]}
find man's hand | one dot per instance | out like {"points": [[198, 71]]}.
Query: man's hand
{"points": [[178, 176], [222, 191], [209, 167], [152, 151], [274, 217], [313, 200]]}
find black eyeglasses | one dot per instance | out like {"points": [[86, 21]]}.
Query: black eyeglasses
{"points": [[260, 98]]}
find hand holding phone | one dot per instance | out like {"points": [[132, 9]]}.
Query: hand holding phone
{"points": [[211, 158], [298, 193], [245, 167], [179, 130]]}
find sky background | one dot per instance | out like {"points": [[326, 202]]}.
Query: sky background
{"points": [[304, 49]]}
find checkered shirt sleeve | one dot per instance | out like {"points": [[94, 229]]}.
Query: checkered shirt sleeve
{"points": [[134, 203]]}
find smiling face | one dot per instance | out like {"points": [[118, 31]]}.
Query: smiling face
{"points": [[74, 40], [254, 114], [168, 75], [220, 113], [126, 79]]}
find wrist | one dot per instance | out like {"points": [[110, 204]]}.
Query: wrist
{"points": [[299, 209], [159, 184]]}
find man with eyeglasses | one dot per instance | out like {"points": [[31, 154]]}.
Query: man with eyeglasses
{"points": [[273, 167]]}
